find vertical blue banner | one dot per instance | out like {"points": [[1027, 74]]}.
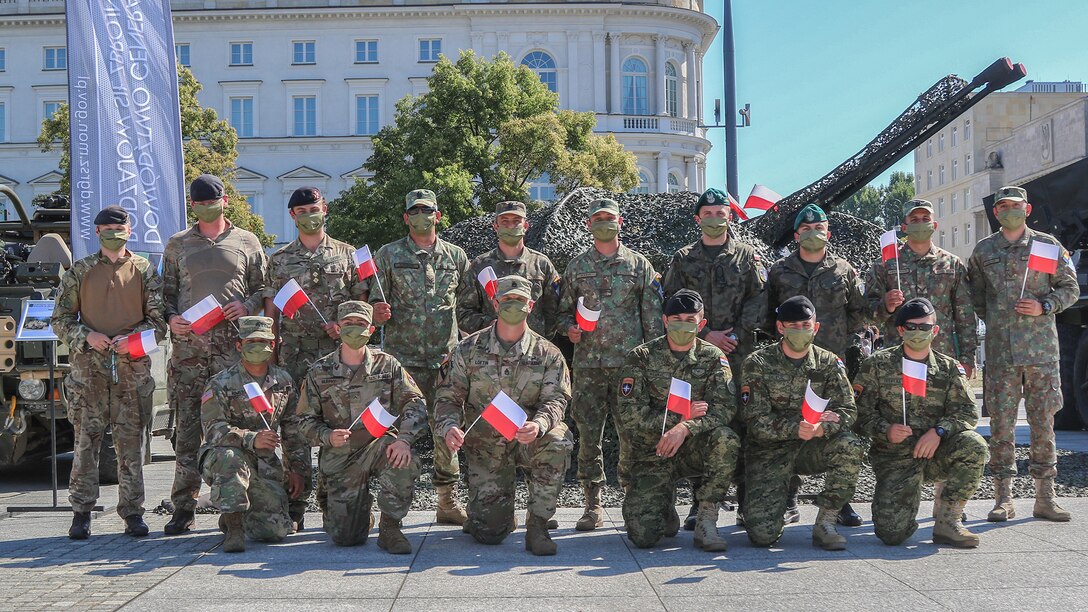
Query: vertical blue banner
{"points": [[125, 121]]}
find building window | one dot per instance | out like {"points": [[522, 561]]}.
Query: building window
{"points": [[955, 168], [940, 242], [967, 234], [542, 189], [56, 58], [430, 49], [366, 115], [305, 109], [634, 87], [51, 107], [643, 186], [241, 116], [940, 142], [955, 131], [3, 59], [940, 208], [670, 89], [940, 174], [366, 52], [967, 199], [544, 66], [967, 164], [241, 54], [181, 54], [303, 52], [929, 148], [967, 129], [3, 122], [955, 234], [673, 183], [952, 203], [929, 180]]}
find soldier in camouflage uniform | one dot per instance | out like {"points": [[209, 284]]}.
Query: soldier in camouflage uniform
{"points": [[325, 270], [933, 438], [780, 443], [243, 455], [474, 309], [696, 445], [338, 388], [104, 298], [211, 258], [419, 278], [1021, 348], [508, 357], [623, 286]]}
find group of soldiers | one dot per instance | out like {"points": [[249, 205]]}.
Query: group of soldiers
{"points": [[676, 364]]}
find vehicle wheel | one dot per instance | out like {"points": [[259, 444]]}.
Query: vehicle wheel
{"points": [[107, 461], [1074, 415]]}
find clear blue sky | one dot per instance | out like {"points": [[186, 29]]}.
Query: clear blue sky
{"points": [[824, 78]]}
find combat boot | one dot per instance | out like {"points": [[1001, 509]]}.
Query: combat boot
{"points": [[1003, 508], [949, 529], [298, 521], [594, 514], [1046, 507], [824, 533], [793, 513], [672, 522], [537, 539], [552, 523], [449, 510], [181, 522], [693, 515], [390, 537], [938, 489], [235, 540], [135, 526], [81, 526], [848, 518], [706, 528]]}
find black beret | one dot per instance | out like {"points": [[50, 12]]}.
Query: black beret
{"points": [[110, 215], [797, 308], [304, 196], [914, 308], [684, 301], [205, 188]]}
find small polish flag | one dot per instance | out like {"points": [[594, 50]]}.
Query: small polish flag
{"points": [[364, 263], [257, 398], [735, 207], [204, 315], [761, 198], [889, 246], [376, 419], [814, 405], [914, 377], [505, 415], [679, 398], [1044, 257], [587, 319], [290, 298], [142, 344], [488, 281]]}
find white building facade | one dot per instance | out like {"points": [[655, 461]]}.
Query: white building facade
{"points": [[306, 83]]}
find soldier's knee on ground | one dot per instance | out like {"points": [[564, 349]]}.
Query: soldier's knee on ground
{"points": [[762, 534], [896, 535], [644, 537], [488, 533]]}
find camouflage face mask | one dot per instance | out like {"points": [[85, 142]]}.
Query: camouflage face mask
{"points": [[920, 232], [798, 339], [1012, 218], [918, 339], [421, 224], [813, 240], [256, 353], [355, 336], [605, 230], [510, 236], [682, 333], [113, 239], [208, 212], [714, 227], [513, 312], [310, 223]]}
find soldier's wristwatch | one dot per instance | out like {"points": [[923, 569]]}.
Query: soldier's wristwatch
{"points": [[1047, 307], [940, 431]]}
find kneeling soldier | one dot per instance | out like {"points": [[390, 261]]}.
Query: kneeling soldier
{"points": [[696, 443], [932, 438], [360, 449]]}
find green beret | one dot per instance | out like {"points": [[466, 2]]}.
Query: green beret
{"points": [[809, 214], [255, 327], [712, 197], [354, 308]]}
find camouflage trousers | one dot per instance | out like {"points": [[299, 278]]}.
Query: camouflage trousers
{"points": [[241, 481], [768, 469], [1041, 388], [593, 399], [447, 470], [348, 474], [296, 356], [958, 463], [649, 497], [491, 466], [96, 404]]}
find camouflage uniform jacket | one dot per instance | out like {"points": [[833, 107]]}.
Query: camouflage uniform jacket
{"points": [[938, 276], [879, 392], [835, 291], [730, 284], [996, 269], [420, 286], [333, 396], [774, 391], [229, 419], [66, 323], [327, 275], [644, 383], [532, 372], [474, 308], [625, 288]]}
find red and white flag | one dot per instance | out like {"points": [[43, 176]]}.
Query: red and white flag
{"points": [[735, 207], [364, 263], [1044, 257], [257, 398], [142, 344], [814, 405], [914, 377], [889, 246], [376, 420], [587, 318], [204, 315], [505, 415], [290, 298], [488, 281], [761, 198], [679, 398]]}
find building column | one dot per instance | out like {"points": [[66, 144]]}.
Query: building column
{"points": [[502, 42], [699, 114], [600, 74], [693, 175], [478, 43], [572, 93], [659, 72], [662, 172], [689, 86], [615, 100]]}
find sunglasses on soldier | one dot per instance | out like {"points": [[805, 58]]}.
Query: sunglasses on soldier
{"points": [[918, 326]]}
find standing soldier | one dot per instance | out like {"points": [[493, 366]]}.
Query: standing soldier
{"points": [[932, 438], [510, 358], [474, 309], [834, 288], [103, 298], [356, 450], [1018, 305], [622, 285], [324, 268], [419, 277], [212, 258], [248, 412]]}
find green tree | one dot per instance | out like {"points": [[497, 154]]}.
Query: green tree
{"points": [[882, 204], [482, 133], [208, 145]]}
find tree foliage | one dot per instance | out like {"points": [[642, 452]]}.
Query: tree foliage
{"points": [[882, 204]]}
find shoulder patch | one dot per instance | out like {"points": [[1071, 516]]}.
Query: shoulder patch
{"points": [[857, 390], [762, 273], [557, 286], [208, 393], [962, 371], [842, 365], [626, 386], [724, 361], [657, 286], [745, 394]]}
